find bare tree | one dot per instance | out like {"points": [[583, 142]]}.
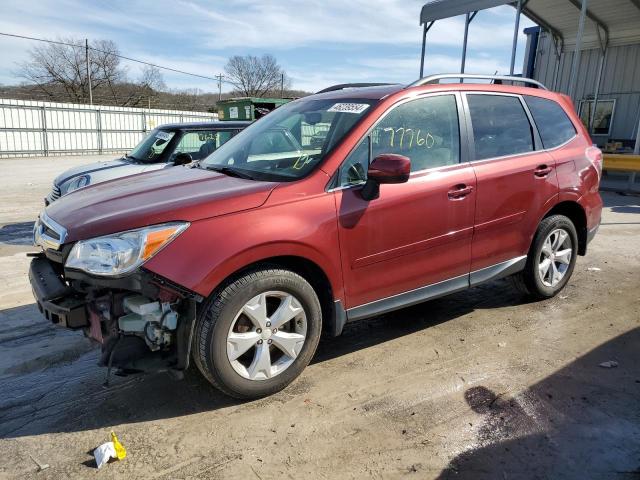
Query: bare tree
{"points": [[256, 76], [54, 67], [149, 85]]}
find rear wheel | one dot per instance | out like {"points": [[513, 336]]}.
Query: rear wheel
{"points": [[258, 333], [551, 259]]}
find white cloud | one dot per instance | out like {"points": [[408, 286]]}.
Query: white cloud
{"points": [[393, 70], [358, 40], [287, 24]]}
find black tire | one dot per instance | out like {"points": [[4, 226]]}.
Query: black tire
{"points": [[215, 320], [528, 280]]}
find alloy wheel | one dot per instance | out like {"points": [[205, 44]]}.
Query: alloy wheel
{"points": [[555, 257], [266, 335]]}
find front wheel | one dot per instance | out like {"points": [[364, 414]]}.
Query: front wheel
{"points": [[258, 333], [551, 258]]}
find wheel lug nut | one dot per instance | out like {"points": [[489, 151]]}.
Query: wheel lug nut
{"points": [[259, 330], [269, 341], [259, 342], [268, 324], [274, 330]]}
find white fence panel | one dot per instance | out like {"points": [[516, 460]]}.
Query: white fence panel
{"points": [[29, 128]]}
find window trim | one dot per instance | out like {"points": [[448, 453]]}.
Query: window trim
{"points": [[462, 133], [535, 135]]}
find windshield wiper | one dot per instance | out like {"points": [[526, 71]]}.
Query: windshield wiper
{"points": [[232, 172]]}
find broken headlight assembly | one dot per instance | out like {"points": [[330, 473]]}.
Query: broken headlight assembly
{"points": [[121, 253]]}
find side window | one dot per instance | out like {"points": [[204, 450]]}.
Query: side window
{"points": [[553, 124], [500, 126], [202, 143], [354, 168], [426, 130]]}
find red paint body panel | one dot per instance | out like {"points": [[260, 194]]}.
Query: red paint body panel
{"points": [[165, 195], [413, 235], [292, 223], [510, 202], [578, 178]]}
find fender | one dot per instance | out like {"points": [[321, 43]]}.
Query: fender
{"points": [[212, 249], [265, 252]]}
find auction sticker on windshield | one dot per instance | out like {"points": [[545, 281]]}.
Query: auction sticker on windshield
{"points": [[349, 107], [166, 136]]}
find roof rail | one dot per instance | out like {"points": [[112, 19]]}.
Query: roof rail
{"points": [[495, 78], [342, 86]]}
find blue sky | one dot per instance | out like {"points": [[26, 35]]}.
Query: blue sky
{"points": [[319, 43]]}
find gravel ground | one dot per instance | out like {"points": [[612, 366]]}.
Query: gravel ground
{"points": [[481, 384]]}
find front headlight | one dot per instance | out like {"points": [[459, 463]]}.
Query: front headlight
{"points": [[75, 184], [121, 253]]}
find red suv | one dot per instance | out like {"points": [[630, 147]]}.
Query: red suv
{"points": [[335, 207]]}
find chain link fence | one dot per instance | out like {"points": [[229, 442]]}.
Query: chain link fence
{"points": [[31, 128]]}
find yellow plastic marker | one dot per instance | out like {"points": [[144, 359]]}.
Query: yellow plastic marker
{"points": [[121, 453]]}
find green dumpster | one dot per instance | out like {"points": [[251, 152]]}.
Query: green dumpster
{"points": [[248, 108]]}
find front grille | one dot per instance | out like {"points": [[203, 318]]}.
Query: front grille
{"points": [[48, 234], [55, 193]]}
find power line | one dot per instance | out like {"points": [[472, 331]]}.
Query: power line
{"points": [[217, 78]]}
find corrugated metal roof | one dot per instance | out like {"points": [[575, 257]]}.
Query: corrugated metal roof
{"points": [[439, 9], [620, 18]]}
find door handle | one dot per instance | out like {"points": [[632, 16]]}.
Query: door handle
{"points": [[542, 171], [459, 191]]}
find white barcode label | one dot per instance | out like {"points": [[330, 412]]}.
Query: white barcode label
{"points": [[349, 107]]}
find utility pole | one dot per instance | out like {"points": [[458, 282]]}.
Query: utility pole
{"points": [[219, 76], [86, 52], [282, 85]]}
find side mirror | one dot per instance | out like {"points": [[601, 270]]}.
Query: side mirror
{"points": [[182, 159], [385, 168]]}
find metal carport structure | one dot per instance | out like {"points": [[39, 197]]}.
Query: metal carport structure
{"points": [[573, 24]]}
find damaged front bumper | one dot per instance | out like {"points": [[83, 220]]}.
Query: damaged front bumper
{"points": [[56, 300], [142, 322]]}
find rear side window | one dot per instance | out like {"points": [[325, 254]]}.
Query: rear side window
{"points": [[553, 123], [500, 126]]}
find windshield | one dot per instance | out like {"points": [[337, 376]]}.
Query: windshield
{"points": [[289, 142], [152, 146]]}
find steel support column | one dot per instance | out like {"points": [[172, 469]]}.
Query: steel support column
{"points": [[467, 21], [573, 79], [514, 46], [425, 29]]}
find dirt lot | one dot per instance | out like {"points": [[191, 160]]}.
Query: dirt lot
{"points": [[477, 385]]}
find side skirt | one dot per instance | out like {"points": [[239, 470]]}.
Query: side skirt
{"points": [[429, 292]]}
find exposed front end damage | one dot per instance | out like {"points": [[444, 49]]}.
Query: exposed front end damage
{"points": [[142, 322]]}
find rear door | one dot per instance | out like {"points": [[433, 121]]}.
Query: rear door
{"points": [[517, 180], [417, 233]]}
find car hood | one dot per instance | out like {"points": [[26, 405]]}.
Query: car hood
{"points": [[187, 194], [90, 168]]}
